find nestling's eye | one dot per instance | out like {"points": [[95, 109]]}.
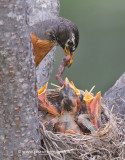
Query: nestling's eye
{"points": [[70, 43]]}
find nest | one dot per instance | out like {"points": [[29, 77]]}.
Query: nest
{"points": [[106, 144]]}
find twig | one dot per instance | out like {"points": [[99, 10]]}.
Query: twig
{"points": [[55, 85], [91, 89]]}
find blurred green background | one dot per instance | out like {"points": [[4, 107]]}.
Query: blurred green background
{"points": [[100, 57]]}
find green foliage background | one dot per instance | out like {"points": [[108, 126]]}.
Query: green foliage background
{"points": [[100, 57]]}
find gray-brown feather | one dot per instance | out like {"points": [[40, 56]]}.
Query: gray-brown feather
{"points": [[58, 30]]}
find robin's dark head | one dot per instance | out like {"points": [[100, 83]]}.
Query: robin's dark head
{"points": [[67, 36], [59, 30]]}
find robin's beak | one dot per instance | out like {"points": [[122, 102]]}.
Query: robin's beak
{"points": [[67, 52]]}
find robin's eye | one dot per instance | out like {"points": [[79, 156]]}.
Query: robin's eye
{"points": [[70, 43]]}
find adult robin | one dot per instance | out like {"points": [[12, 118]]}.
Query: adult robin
{"points": [[49, 33]]}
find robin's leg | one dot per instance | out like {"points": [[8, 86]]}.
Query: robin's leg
{"points": [[61, 69]]}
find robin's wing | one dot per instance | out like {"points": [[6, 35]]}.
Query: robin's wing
{"points": [[40, 48]]}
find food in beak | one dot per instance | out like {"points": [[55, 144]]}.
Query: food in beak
{"points": [[67, 52]]}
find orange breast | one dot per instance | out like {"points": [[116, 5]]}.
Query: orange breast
{"points": [[40, 48]]}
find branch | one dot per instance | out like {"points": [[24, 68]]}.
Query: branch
{"points": [[115, 97], [40, 11]]}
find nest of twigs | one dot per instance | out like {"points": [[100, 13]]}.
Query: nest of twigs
{"points": [[106, 144]]}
